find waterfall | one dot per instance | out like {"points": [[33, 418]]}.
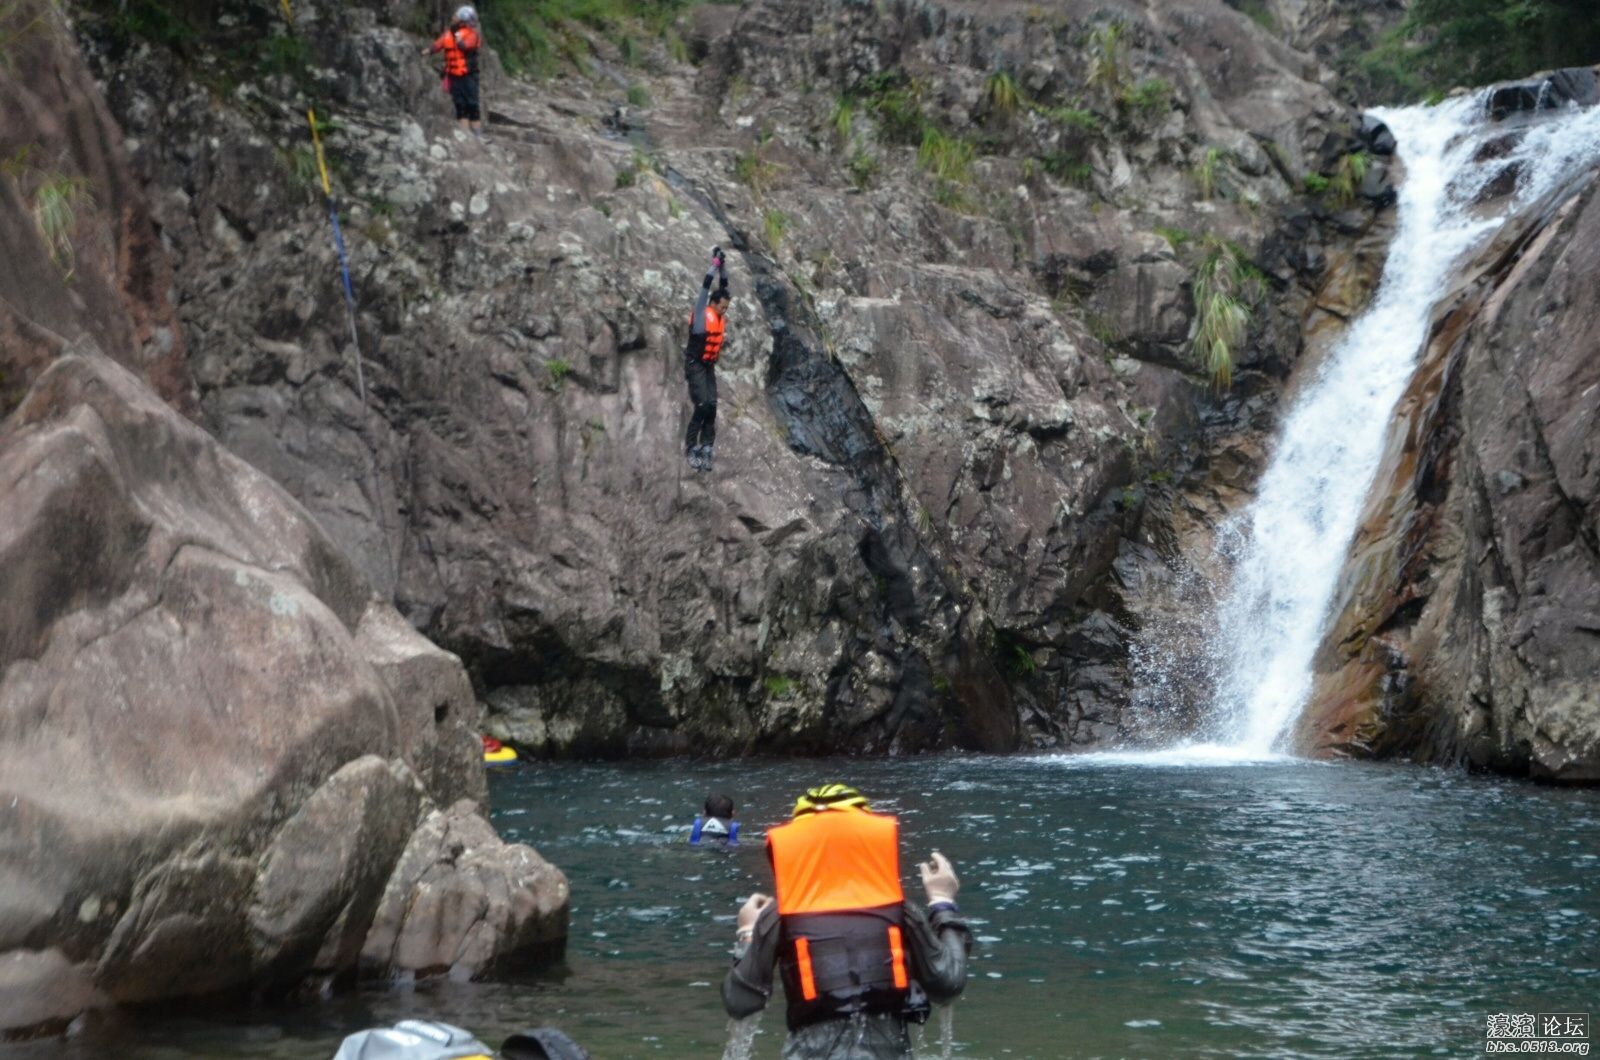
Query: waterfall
{"points": [[1286, 549]]}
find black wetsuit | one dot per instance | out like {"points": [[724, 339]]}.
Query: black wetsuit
{"points": [[700, 373]]}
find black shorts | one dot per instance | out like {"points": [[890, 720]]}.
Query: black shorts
{"points": [[464, 94]]}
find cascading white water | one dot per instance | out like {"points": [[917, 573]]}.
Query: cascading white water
{"points": [[1288, 547]]}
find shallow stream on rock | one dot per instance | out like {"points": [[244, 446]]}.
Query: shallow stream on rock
{"points": [[1124, 907]]}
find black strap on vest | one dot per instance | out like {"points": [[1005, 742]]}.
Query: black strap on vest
{"points": [[851, 965]]}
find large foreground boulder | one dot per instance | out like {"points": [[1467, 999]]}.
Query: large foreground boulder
{"points": [[215, 745]]}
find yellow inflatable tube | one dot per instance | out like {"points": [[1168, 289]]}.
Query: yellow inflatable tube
{"points": [[496, 753]]}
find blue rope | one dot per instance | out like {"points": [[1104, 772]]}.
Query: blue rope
{"points": [[349, 294]]}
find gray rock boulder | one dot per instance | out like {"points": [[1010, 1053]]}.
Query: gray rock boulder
{"points": [[215, 746], [460, 901]]}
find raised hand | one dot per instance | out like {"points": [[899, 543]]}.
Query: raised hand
{"points": [[750, 912], [939, 879]]}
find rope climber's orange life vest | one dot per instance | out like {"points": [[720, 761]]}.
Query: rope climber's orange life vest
{"points": [[841, 949], [715, 329]]}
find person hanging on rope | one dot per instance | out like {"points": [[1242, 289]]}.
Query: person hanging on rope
{"points": [[460, 44], [706, 335]]}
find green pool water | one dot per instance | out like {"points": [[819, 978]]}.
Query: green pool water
{"points": [[1122, 908]]}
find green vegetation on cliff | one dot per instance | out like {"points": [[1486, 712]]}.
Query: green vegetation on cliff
{"points": [[1444, 43], [1226, 287], [534, 36]]}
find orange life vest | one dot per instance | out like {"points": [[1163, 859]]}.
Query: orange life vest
{"points": [[460, 46], [842, 946], [716, 328]]}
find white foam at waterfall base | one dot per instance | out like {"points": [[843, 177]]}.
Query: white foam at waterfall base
{"points": [[1287, 548], [1183, 755]]}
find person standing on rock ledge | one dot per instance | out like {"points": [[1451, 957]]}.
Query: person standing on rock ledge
{"points": [[460, 44], [706, 335], [858, 961]]}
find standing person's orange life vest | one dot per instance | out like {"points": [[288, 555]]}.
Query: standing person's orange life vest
{"points": [[842, 948], [460, 45]]}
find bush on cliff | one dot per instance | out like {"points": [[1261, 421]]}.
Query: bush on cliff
{"points": [[533, 35], [1444, 43]]}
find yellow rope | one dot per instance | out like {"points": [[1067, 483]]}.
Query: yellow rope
{"points": [[316, 141], [338, 238]]}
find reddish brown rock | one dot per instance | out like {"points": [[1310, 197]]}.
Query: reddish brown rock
{"points": [[102, 275], [1467, 618]]}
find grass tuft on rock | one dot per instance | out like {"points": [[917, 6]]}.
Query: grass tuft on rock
{"points": [[1348, 176], [754, 170], [1107, 55], [863, 169], [1226, 287], [1149, 97], [1208, 172], [896, 102], [842, 120], [1177, 238], [1002, 94], [774, 225], [948, 158], [55, 214]]}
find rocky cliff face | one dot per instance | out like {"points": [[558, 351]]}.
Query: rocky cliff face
{"points": [[1337, 32], [1466, 629], [959, 376], [225, 765]]}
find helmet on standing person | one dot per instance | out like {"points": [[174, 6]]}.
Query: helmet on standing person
{"points": [[829, 796], [467, 13]]}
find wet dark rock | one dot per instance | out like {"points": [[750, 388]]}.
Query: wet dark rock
{"points": [[1377, 186], [1502, 184], [1573, 87], [1376, 136], [1498, 147]]}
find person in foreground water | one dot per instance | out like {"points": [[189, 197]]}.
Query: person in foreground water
{"points": [[859, 963]]}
